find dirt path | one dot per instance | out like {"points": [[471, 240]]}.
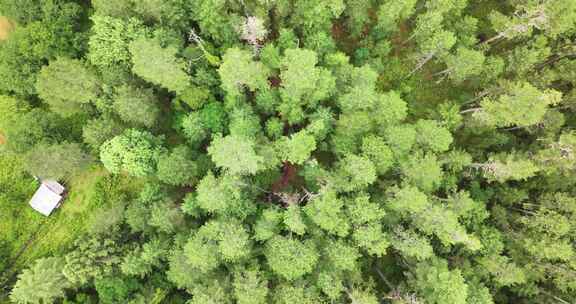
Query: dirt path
{"points": [[6, 26]]}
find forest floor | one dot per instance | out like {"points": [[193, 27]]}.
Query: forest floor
{"points": [[6, 26]]}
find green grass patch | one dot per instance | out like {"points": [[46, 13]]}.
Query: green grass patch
{"points": [[30, 235]]}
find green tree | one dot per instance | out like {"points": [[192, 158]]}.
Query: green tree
{"points": [[120, 8], [290, 258], [503, 271], [523, 105], [390, 109], [391, 12], [412, 245], [165, 216], [315, 16], [134, 152], [401, 139], [371, 238], [18, 65], [268, 224], [91, 258], [177, 167], [294, 219], [432, 38], [141, 261], [375, 149], [24, 130], [362, 296], [239, 70], [66, 84], [464, 64], [114, 289], [49, 29], [349, 130], [361, 210], [437, 284], [109, 43], [169, 13], [296, 293], [217, 241], [250, 287], [361, 94], [355, 173], [303, 84], [215, 19], [297, 148], [195, 97], [358, 15], [200, 253], [153, 209], [555, 17], [136, 105], [57, 162], [408, 200], [443, 223], [423, 171], [342, 255], [236, 154], [97, 131], [274, 128], [159, 65], [431, 135], [193, 127], [325, 210], [558, 156], [210, 291], [42, 283], [507, 166], [244, 123], [11, 109], [22, 11], [223, 195]]}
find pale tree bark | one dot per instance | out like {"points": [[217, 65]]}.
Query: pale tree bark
{"points": [[472, 110], [536, 19], [421, 63], [193, 37]]}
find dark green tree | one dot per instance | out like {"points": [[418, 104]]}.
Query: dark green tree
{"points": [[136, 105], [67, 84], [58, 161], [177, 167]]}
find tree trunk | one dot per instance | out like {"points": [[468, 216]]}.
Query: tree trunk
{"points": [[482, 95], [472, 110], [497, 37], [421, 64]]}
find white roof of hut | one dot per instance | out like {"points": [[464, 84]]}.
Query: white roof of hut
{"points": [[47, 197]]}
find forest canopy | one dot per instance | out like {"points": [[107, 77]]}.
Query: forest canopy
{"points": [[289, 151]]}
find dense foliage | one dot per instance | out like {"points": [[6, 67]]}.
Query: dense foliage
{"points": [[294, 151]]}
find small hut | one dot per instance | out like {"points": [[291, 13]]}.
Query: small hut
{"points": [[47, 197]]}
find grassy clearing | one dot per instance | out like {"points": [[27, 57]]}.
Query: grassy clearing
{"points": [[27, 235], [55, 234], [16, 218], [63, 226]]}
